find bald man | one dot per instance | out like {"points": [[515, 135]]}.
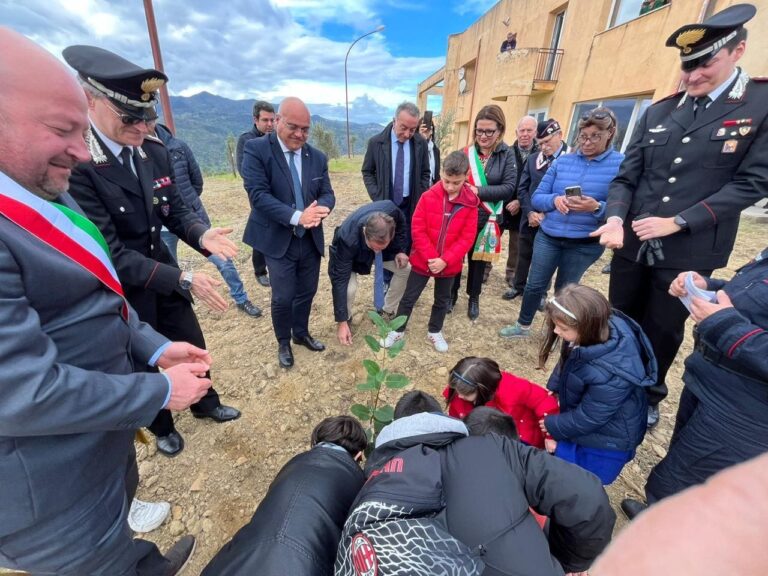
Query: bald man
{"points": [[70, 401], [290, 192]]}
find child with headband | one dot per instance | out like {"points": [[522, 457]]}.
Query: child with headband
{"points": [[605, 364], [480, 382]]}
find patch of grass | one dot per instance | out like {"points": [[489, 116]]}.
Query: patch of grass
{"points": [[345, 164]]}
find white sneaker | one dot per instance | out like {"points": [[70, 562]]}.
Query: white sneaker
{"points": [[438, 341], [146, 516], [391, 338]]}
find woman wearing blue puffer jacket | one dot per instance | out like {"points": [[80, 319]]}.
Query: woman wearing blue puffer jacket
{"points": [[606, 361], [572, 197]]}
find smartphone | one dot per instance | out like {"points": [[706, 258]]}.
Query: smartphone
{"points": [[572, 191], [427, 118]]}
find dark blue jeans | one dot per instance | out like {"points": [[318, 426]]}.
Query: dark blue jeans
{"points": [[568, 257]]}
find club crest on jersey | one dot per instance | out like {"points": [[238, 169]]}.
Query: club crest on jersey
{"points": [[364, 556]]}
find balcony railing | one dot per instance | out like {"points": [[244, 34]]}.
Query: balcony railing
{"points": [[548, 64]]}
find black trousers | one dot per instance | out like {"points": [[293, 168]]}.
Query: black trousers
{"points": [[259, 263], [176, 320], [413, 289], [524, 255], [641, 292], [702, 445], [294, 280]]}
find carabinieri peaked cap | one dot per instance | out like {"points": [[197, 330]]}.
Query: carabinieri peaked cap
{"points": [[698, 43], [129, 87]]}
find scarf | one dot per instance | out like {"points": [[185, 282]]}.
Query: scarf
{"points": [[488, 244]]}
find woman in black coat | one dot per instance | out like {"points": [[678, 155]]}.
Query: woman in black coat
{"points": [[500, 173]]}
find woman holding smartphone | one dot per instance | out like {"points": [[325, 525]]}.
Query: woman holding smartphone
{"points": [[572, 197]]}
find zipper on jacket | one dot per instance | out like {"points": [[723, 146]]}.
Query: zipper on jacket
{"points": [[444, 227]]}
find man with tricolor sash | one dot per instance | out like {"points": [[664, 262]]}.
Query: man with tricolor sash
{"points": [[127, 190], [73, 388]]}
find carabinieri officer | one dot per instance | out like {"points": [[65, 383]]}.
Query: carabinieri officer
{"points": [[696, 160]]}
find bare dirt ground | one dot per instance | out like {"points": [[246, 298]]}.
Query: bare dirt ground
{"points": [[216, 483]]}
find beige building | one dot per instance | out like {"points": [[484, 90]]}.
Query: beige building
{"points": [[572, 56]]}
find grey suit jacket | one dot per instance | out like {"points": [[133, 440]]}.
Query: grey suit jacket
{"points": [[69, 400]]}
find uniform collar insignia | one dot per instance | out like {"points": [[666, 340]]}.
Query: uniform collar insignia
{"points": [[739, 87], [682, 100], [142, 154], [97, 154]]}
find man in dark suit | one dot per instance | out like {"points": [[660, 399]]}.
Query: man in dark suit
{"points": [[263, 123], [696, 160], [396, 163], [290, 191], [375, 228], [72, 388], [127, 190]]}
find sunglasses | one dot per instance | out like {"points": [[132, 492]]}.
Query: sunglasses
{"points": [[598, 115], [127, 119]]}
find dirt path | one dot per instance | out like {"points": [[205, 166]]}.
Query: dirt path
{"points": [[219, 479]]}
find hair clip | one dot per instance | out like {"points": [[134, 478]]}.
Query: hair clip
{"points": [[458, 376]]}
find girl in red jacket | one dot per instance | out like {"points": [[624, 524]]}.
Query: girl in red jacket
{"points": [[443, 230], [479, 382]]}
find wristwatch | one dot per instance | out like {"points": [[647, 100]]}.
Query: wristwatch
{"points": [[186, 281], [680, 221]]}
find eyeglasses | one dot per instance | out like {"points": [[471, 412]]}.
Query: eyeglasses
{"points": [[127, 119], [294, 128], [486, 133], [595, 138]]}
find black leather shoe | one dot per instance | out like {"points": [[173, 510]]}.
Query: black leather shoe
{"points": [[473, 309], [511, 294], [632, 508], [219, 414], [170, 445], [179, 554], [263, 279], [250, 308], [285, 355], [309, 342]]}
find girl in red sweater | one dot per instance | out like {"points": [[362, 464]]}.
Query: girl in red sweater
{"points": [[479, 382], [443, 230]]}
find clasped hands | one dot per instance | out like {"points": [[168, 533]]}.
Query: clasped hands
{"points": [[313, 215], [186, 366]]}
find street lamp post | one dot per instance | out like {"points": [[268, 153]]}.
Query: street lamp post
{"points": [[346, 86]]}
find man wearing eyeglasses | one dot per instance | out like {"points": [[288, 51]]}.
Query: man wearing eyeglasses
{"points": [[127, 190], [290, 192], [696, 160]]}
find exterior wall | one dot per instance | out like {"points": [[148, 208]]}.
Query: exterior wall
{"points": [[597, 63]]}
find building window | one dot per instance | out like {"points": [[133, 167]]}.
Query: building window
{"points": [[626, 10], [540, 114], [627, 110]]}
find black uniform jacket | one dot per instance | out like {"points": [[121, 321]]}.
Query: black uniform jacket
{"points": [[130, 213], [706, 170]]}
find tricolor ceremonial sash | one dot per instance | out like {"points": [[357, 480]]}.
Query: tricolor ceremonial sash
{"points": [[488, 245], [64, 230]]}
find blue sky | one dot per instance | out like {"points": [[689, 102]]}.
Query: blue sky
{"points": [[266, 48]]}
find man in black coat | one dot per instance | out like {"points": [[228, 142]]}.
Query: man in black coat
{"points": [[296, 528], [127, 190], [263, 123], [378, 227], [290, 192], [696, 160], [396, 163]]}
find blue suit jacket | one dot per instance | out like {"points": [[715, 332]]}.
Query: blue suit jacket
{"points": [[267, 180]]}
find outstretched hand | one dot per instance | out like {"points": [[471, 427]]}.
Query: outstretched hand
{"points": [[216, 242]]}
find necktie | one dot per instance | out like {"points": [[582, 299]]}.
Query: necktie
{"points": [[297, 193], [125, 155], [397, 189], [701, 105]]}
